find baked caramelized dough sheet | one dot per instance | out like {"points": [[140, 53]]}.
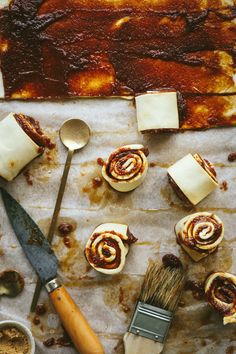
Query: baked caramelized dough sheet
{"points": [[71, 48], [151, 211]]}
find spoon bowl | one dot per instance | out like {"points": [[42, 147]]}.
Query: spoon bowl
{"points": [[75, 134]]}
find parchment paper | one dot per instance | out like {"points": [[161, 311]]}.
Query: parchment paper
{"points": [[151, 212]]}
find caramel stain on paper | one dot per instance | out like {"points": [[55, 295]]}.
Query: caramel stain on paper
{"points": [[224, 210], [145, 243], [231, 349], [122, 293], [45, 328], [159, 164], [38, 173], [40, 169], [100, 193], [95, 190], [72, 262], [44, 224], [221, 259], [119, 348]]}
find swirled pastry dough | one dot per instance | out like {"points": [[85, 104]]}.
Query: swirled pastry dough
{"points": [[108, 246], [220, 290], [126, 167], [199, 234]]}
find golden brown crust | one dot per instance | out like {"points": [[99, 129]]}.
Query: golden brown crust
{"points": [[101, 48]]}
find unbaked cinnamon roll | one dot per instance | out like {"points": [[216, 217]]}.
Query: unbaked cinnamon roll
{"points": [[126, 167], [108, 246], [199, 234], [220, 290], [192, 178], [21, 140]]}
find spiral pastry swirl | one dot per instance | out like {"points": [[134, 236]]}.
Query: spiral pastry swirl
{"points": [[108, 246], [220, 290], [126, 167], [199, 234]]}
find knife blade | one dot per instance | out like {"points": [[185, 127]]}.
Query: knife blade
{"points": [[32, 240], [45, 263]]}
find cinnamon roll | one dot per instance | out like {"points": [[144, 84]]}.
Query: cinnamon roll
{"points": [[157, 111], [192, 178], [21, 140], [126, 167], [199, 234], [108, 246], [220, 290]]}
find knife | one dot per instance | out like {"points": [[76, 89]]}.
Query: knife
{"points": [[45, 263]]}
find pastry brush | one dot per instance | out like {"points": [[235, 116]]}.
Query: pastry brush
{"points": [[160, 293]]}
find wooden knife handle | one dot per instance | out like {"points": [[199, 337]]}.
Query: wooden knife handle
{"points": [[78, 328]]}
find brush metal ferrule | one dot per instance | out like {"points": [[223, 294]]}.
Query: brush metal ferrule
{"points": [[151, 322]]}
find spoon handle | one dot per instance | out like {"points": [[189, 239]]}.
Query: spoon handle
{"points": [[54, 221], [60, 196]]}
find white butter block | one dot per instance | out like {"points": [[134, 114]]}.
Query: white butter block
{"points": [[192, 179], [16, 148], [157, 111]]}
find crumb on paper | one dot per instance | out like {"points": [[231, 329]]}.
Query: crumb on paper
{"points": [[28, 177], [232, 157], [224, 186]]}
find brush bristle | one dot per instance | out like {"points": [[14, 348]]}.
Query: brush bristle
{"points": [[162, 286]]}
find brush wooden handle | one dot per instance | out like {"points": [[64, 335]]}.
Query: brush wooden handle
{"points": [[79, 330], [135, 344]]}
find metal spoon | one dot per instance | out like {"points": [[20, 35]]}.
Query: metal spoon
{"points": [[74, 134], [11, 283]]}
